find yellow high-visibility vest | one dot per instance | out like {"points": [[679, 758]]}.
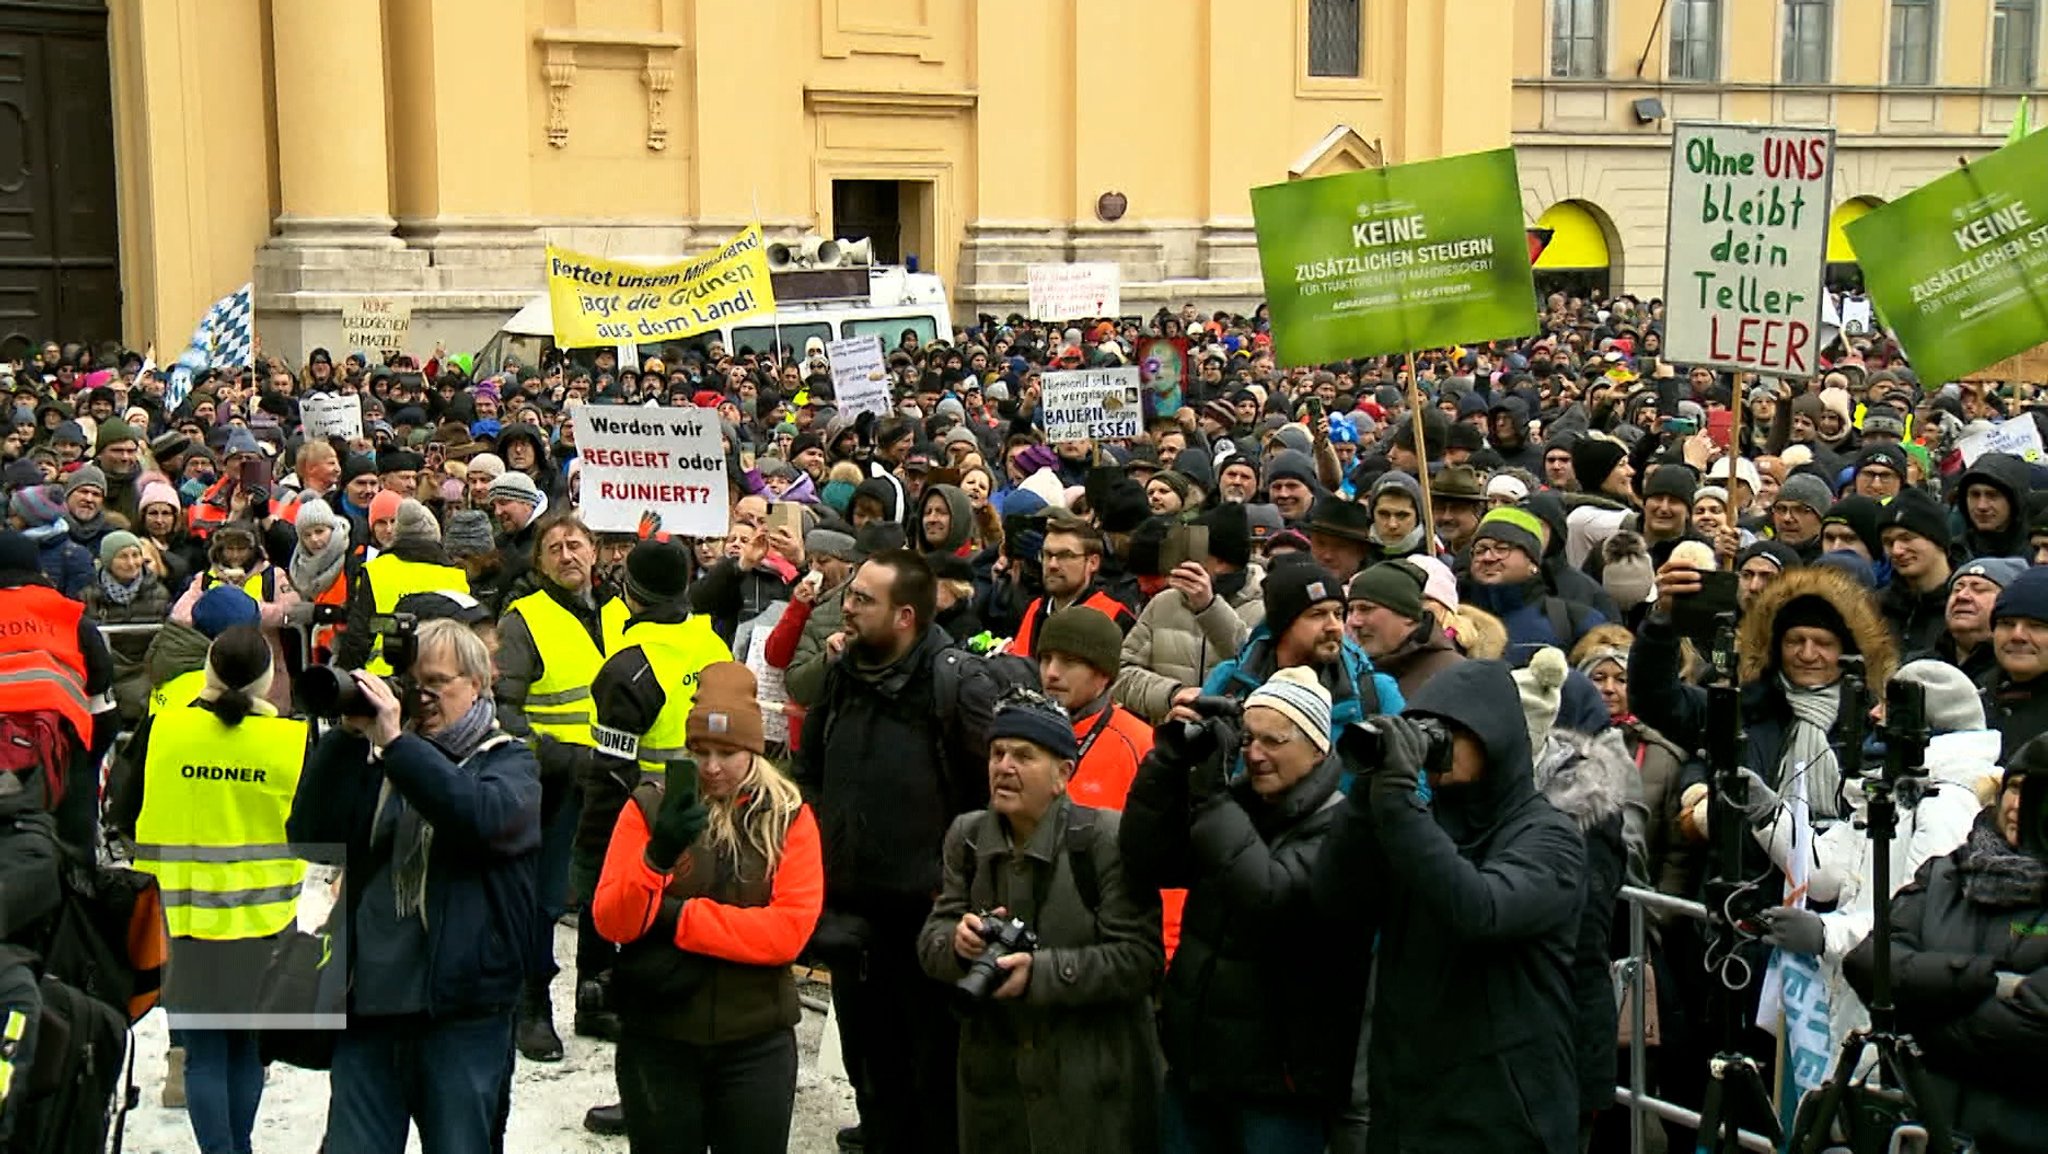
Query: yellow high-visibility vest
{"points": [[214, 803], [392, 577], [677, 652], [180, 690], [558, 702]]}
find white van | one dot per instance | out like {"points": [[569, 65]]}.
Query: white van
{"points": [[896, 300]]}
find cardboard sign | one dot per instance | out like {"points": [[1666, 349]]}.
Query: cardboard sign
{"points": [[598, 302], [1091, 404], [1387, 260], [1746, 247], [377, 324], [2020, 436], [2029, 367], [860, 376], [1958, 268], [331, 415], [666, 464], [1065, 292]]}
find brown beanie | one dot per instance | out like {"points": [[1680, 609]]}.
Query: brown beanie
{"points": [[726, 710]]}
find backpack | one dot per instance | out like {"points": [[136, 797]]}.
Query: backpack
{"points": [[38, 740], [76, 1085], [1005, 671]]}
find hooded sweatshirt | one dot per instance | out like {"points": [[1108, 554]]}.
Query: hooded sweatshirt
{"points": [[959, 525], [2009, 475]]}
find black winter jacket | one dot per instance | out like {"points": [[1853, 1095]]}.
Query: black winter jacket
{"points": [[1476, 895], [1237, 1018], [1954, 929]]}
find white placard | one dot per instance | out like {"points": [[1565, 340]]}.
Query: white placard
{"points": [[769, 687], [662, 461], [331, 415], [378, 324], [2020, 436], [1747, 247], [860, 377], [1091, 404], [1066, 292], [1857, 318]]}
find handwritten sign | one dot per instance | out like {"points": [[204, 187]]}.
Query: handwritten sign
{"points": [[377, 324], [860, 377], [332, 415], [1092, 404], [2020, 436], [1747, 247], [664, 463], [599, 302], [1064, 292]]}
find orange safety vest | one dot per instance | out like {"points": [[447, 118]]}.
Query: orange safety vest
{"points": [[41, 666], [336, 593], [1027, 630]]}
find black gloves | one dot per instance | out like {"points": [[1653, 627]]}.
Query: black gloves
{"points": [[1403, 748], [681, 819], [1204, 749]]}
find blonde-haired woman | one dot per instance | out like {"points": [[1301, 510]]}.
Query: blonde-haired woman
{"points": [[711, 887]]}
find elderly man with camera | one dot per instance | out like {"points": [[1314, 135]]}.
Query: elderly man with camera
{"points": [[1053, 953], [1259, 1018], [1473, 887], [439, 811]]}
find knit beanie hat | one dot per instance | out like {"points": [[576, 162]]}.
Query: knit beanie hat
{"points": [[1953, 703], [1175, 481], [1439, 584], [37, 506], [468, 534], [1390, 585], [160, 493], [1515, 527], [727, 709], [21, 473], [18, 553], [1885, 457], [85, 477], [1230, 534], [1541, 684], [384, 506], [2000, 571], [314, 514], [112, 544], [1086, 634], [1883, 420], [1291, 465], [114, 432], [1808, 490], [238, 660], [489, 464], [657, 572], [1028, 715], [415, 520], [1672, 481], [1918, 514], [1593, 458], [1291, 589], [1627, 572], [1296, 694], [223, 607], [2026, 597], [831, 543], [1861, 515]]}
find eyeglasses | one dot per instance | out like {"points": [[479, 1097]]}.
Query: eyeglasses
{"points": [[1268, 742], [1491, 551], [1060, 556]]}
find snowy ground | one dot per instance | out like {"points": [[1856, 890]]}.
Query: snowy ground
{"points": [[548, 1100]]}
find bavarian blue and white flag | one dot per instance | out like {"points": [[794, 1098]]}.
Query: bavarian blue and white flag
{"points": [[226, 335]]}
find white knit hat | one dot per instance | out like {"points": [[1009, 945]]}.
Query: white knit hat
{"points": [[1296, 694], [1438, 584], [1953, 705]]}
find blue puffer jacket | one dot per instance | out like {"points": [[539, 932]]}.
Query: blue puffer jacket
{"points": [[1353, 684], [1533, 617], [480, 896], [65, 562]]}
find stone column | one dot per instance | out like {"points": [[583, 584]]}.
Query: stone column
{"points": [[334, 180]]}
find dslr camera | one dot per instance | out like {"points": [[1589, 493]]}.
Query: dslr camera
{"points": [[1364, 745], [1001, 937], [1192, 741], [331, 694]]}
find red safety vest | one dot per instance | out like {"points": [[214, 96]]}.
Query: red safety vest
{"points": [[1027, 630], [41, 666]]}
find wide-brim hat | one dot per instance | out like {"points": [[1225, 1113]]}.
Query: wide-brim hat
{"points": [[1340, 518]]}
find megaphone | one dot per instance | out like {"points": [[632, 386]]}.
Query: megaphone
{"points": [[855, 253], [782, 256], [828, 254]]}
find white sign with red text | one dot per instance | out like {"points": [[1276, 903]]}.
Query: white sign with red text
{"points": [[667, 464], [1069, 292]]}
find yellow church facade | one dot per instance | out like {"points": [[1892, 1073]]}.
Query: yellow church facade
{"points": [[430, 149]]}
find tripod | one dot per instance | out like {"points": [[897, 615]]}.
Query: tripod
{"points": [[1735, 1084], [1905, 1096]]}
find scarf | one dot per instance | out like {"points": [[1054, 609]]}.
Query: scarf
{"points": [[118, 593], [89, 532], [1997, 875], [312, 574], [1402, 546], [1807, 750], [413, 842]]}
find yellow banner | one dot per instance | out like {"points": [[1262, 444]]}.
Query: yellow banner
{"points": [[600, 302]]}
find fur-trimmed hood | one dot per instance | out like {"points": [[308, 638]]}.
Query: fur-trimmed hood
{"points": [[1588, 779], [1858, 608]]}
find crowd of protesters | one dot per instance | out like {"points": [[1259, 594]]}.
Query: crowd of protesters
{"points": [[1265, 782]]}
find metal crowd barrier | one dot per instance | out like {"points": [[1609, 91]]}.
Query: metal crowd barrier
{"points": [[1636, 1095]]}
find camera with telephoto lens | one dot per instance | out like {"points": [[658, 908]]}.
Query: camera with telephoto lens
{"points": [[1220, 716], [331, 694], [1001, 937], [1364, 745]]}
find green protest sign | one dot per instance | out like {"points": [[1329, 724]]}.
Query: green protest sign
{"points": [[1415, 256], [1958, 268]]}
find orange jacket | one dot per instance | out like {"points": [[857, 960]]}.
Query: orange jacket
{"points": [[629, 893], [1102, 779], [1025, 644]]}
